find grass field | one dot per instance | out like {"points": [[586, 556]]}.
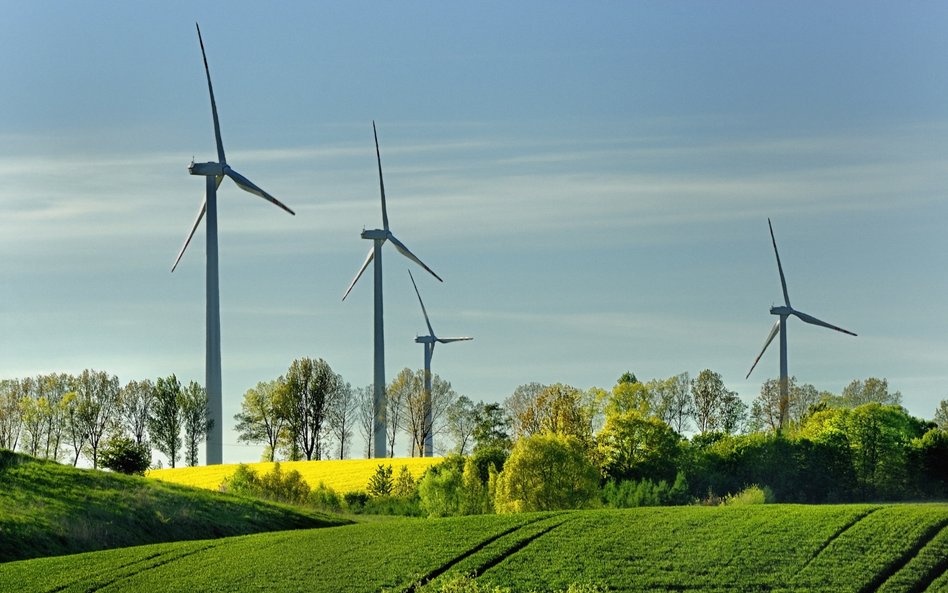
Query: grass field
{"points": [[48, 509], [850, 548], [347, 475]]}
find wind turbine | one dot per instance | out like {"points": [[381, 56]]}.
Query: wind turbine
{"points": [[429, 341], [379, 237], [780, 326], [214, 174]]}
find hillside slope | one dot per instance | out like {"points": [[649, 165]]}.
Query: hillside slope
{"points": [[48, 509], [342, 475], [853, 548]]}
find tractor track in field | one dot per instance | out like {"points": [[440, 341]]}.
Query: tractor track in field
{"points": [[842, 529], [891, 570], [468, 553], [164, 559], [515, 548]]}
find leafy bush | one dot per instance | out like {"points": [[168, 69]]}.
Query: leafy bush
{"points": [[751, 495], [440, 490], [122, 454], [547, 472], [275, 485], [324, 497], [355, 501]]}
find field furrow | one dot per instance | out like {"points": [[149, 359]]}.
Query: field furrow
{"points": [[923, 568]]}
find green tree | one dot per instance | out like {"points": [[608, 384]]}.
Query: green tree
{"points": [[461, 421], [635, 446], [440, 489], [194, 420], [11, 420], [558, 408], [765, 409], [135, 408], [404, 484], [310, 386], [673, 401], [878, 437], [707, 390], [381, 483], [341, 416], [262, 416], [98, 394], [941, 414], [166, 420], [474, 495], [545, 472], [521, 409], [122, 454], [491, 428], [416, 424], [872, 390]]}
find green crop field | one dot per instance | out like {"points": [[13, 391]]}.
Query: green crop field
{"points": [[847, 548], [48, 509]]}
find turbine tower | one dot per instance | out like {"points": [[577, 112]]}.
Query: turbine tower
{"points": [[429, 341], [214, 174], [379, 237], [780, 326]]}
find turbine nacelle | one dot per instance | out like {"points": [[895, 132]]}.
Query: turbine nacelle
{"points": [[207, 169], [781, 311], [376, 234]]}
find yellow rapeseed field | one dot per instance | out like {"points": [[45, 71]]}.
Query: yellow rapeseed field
{"points": [[347, 475]]}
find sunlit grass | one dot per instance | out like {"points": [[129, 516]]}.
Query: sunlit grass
{"points": [[346, 475]]}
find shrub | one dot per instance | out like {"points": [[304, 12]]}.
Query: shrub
{"points": [[273, 485], [355, 501], [751, 495], [324, 497], [440, 490], [121, 454]]}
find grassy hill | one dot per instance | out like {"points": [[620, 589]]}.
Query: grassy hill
{"points": [[48, 509], [346, 475], [851, 548]]}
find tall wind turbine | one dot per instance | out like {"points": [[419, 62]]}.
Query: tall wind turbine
{"points": [[379, 237], [780, 326], [214, 174], [429, 341]]}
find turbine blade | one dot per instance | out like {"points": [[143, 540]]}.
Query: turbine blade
{"points": [[404, 251], [449, 340], [248, 186], [420, 302], [814, 321], [783, 281], [365, 264], [378, 157], [770, 338], [187, 241], [217, 123]]}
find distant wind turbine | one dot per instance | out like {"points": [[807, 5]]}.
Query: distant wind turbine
{"points": [[214, 174], [429, 341], [379, 237], [780, 327]]}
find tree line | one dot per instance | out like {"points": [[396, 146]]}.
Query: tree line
{"points": [[311, 412], [65, 417]]}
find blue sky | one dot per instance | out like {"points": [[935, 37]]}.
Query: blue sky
{"points": [[592, 181]]}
